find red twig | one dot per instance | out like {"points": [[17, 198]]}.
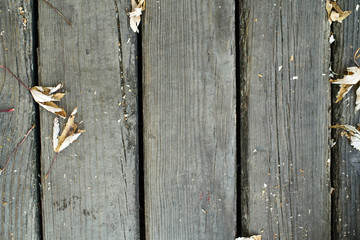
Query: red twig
{"points": [[17, 147], [8, 110], [58, 12], [15, 77], [51, 166]]}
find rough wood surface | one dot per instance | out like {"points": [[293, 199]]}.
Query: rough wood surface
{"points": [[19, 205], [189, 119], [284, 119], [92, 191], [346, 163]]}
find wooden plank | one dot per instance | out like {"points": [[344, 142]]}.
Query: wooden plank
{"points": [[19, 205], [189, 95], [92, 191], [345, 159], [285, 166]]}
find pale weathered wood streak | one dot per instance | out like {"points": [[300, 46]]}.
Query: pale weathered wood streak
{"points": [[92, 191], [284, 119], [346, 163], [189, 119], [19, 205]]}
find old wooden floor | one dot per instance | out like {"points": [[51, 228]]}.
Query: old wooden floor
{"points": [[212, 123]]}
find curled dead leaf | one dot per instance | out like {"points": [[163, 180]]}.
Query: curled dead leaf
{"points": [[346, 83], [45, 96], [352, 133], [68, 135], [335, 14], [134, 15]]}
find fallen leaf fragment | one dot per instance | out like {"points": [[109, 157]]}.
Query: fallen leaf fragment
{"points": [[352, 133], [255, 237], [346, 83], [44, 97], [335, 14], [135, 14], [68, 135]]}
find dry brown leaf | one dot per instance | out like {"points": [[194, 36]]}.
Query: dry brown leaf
{"points": [[346, 83], [344, 89], [335, 14], [45, 96], [352, 133], [135, 14], [68, 135], [255, 237]]}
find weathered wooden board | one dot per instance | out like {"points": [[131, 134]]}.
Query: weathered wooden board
{"points": [[19, 205], [285, 99], [92, 191], [346, 163], [189, 95]]}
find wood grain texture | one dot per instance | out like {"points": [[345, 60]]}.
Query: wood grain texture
{"points": [[285, 166], [19, 205], [189, 95], [92, 191], [346, 163]]}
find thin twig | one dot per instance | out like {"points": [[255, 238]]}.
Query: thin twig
{"points": [[8, 110], [58, 12], [15, 77], [51, 166], [17, 147], [356, 57]]}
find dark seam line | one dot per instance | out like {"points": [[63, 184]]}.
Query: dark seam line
{"points": [[238, 119], [141, 133], [35, 77], [333, 151]]}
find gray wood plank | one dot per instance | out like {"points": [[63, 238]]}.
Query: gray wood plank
{"points": [[19, 204], [285, 97], [92, 191], [189, 94], [346, 164]]}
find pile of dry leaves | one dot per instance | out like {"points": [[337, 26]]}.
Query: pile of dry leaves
{"points": [[45, 97], [350, 79]]}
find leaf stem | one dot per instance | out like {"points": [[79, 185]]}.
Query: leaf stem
{"points": [[15, 77], [58, 12], [51, 166], [8, 110], [356, 57], [17, 147]]}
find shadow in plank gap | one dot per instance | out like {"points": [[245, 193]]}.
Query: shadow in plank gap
{"points": [[19, 208], [345, 159]]}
